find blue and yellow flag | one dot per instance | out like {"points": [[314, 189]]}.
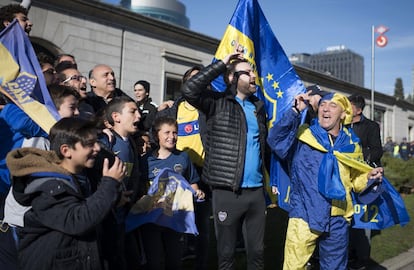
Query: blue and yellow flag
{"points": [[169, 203], [21, 78], [277, 80], [386, 211]]}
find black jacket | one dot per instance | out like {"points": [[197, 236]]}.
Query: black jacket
{"points": [[226, 128], [368, 132], [60, 228], [98, 103], [148, 113]]}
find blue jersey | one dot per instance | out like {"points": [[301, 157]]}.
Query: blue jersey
{"points": [[178, 161]]}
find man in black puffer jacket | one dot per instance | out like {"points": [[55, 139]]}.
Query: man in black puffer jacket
{"points": [[235, 151]]}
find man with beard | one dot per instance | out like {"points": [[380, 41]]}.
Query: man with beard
{"points": [[235, 156]]}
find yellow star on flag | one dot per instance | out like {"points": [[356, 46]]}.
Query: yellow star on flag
{"points": [[279, 94], [275, 85], [269, 77]]}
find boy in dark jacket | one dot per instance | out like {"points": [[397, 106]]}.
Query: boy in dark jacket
{"points": [[57, 222], [120, 250]]}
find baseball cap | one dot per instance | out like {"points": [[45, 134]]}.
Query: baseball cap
{"points": [[316, 90], [373, 190]]}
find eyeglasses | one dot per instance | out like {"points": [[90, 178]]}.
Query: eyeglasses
{"points": [[74, 77]]}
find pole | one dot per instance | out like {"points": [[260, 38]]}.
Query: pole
{"points": [[372, 72]]}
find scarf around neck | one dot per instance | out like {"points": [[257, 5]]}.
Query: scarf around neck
{"points": [[344, 149]]}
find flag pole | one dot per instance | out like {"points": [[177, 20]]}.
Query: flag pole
{"points": [[372, 72]]}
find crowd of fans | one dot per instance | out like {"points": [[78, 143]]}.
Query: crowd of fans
{"points": [[66, 193]]}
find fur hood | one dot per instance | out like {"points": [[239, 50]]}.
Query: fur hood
{"points": [[26, 161]]}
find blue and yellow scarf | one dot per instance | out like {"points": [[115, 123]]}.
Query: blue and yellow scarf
{"points": [[345, 149]]}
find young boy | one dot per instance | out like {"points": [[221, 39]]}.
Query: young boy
{"points": [[66, 101], [59, 225], [19, 130], [160, 242], [122, 114]]}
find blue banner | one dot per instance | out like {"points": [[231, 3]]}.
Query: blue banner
{"points": [[169, 203], [386, 211], [21, 77], [276, 78]]}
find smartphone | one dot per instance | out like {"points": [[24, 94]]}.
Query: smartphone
{"points": [[104, 153]]}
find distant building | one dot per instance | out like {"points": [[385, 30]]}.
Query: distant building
{"points": [[301, 59], [336, 61], [170, 11]]}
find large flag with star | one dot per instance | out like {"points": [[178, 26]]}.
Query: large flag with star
{"points": [[21, 78], [277, 80]]}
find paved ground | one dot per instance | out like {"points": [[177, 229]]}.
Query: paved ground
{"points": [[404, 261]]}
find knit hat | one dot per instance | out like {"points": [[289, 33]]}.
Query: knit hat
{"points": [[342, 101], [145, 84]]}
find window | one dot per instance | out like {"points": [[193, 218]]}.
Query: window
{"points": [[172, 88]]}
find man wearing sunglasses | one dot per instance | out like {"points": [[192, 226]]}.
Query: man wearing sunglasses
{"points": [[234, 161]]}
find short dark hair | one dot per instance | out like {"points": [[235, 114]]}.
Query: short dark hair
{"points": [[70, 131], [231, 68], [44, 58], [8, 13], [145, 84], [116, 105], [65, 65], [158, 122], [59, 92], [187, 74], [59, 56], [357, 100]]}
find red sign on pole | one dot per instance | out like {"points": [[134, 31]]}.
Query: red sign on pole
{"points": [[381, 41]]}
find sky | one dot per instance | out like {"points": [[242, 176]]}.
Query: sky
{"points": [[310, 26]]}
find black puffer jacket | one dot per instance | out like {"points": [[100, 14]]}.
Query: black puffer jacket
{"points": [[226, 128]]}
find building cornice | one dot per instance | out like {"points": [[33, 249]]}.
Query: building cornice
{"points": [[121, 18]]}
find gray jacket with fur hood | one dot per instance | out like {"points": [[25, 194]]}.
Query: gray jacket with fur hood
{"points": [[59, 222]]}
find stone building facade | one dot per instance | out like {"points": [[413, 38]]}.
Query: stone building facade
{"points": [[142, 48]]}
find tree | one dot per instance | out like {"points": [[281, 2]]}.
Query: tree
{"points": [[399, 89], [410, 98]]}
